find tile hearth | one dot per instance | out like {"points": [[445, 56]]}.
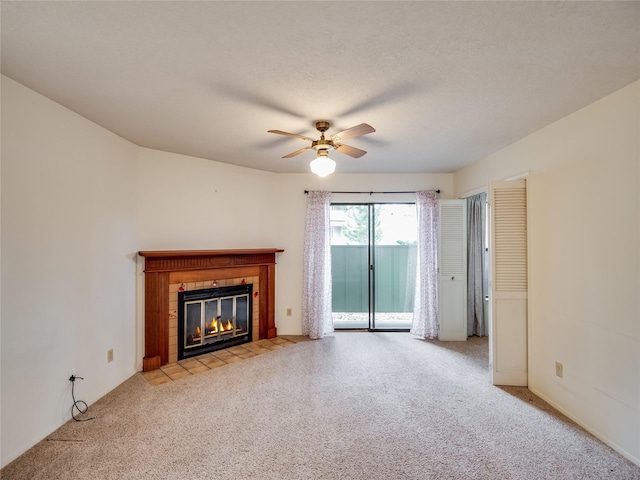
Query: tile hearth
{"points": [[208, 361]]}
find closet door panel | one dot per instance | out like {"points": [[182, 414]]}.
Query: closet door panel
{"points": [[452, 267], [509, 282]]}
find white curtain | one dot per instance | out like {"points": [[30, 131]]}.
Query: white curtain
{"points": [[316, 290], [476, 261], [425, 307]]}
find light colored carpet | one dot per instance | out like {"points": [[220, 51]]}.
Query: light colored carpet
{"points": [[351, 406]]}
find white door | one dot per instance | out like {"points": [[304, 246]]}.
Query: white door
{"points": [[508, 290], [452, 267]]}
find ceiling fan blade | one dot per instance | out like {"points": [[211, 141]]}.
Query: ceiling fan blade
{"points": [[280, 132], [297, 152], [356, 131], [351, 151]]}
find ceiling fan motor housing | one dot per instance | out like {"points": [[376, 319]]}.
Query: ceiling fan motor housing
{"points": [[322, 144], [322, 126]]}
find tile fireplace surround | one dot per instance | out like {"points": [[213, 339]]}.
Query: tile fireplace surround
{"points": [[166, 270]]}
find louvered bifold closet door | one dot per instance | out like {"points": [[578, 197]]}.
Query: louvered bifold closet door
{"points": [[452, 265], [509, 286]]}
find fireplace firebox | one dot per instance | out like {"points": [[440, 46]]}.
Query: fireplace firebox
{"points": [[213, 318]]}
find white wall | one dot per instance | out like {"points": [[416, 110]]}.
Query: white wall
{"points": [[584, 191], [68, 265], [192, 203]]}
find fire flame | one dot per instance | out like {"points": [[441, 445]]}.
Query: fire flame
{"points": [[219, 326], [197, 331]]}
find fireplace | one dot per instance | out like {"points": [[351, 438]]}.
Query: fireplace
{"points": [[213, 318], [168, 272]]}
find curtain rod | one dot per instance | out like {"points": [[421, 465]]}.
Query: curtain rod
{"points": [[371, 193]]}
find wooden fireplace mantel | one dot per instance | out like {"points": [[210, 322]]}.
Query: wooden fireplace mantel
{"points": [[164, 267]]}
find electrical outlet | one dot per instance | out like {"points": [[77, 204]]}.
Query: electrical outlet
{"points": [[289, 312], [110, 355], [72, 372], [558, 369]]}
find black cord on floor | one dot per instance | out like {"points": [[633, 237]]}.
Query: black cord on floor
{"points": [[77, 404]]}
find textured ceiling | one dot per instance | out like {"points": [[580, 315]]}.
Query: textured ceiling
{"points": [[443, 83]]}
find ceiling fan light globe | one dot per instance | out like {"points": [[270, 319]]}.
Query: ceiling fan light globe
{"points": [[323, 166]]}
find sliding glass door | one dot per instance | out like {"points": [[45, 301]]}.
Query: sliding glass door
{"points": [[350, 260], [373, 260], [394, 266]]}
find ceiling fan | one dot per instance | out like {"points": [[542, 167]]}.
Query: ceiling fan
{"points": [[323, 165]]}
